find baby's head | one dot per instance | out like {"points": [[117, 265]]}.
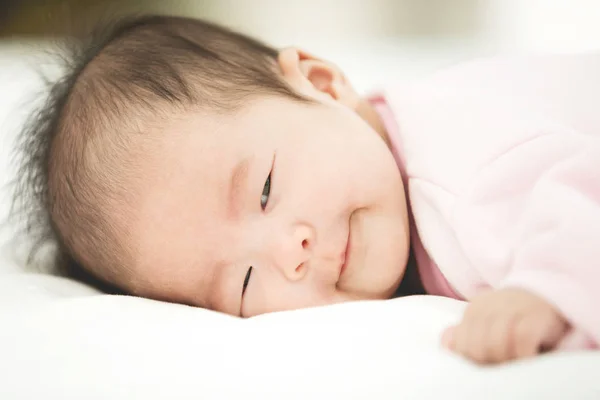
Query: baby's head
{"points": [[183, 162]]}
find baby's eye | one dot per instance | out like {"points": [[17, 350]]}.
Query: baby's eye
{"points": [[246, 280], [264, 198]]}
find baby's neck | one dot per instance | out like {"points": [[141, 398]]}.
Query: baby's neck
{"points": [[411, 283]]}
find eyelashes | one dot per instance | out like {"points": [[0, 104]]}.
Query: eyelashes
{"points": [[264, 198], [246, 280]]}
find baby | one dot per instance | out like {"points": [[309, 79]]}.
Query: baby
{"points": [[180, 161]]}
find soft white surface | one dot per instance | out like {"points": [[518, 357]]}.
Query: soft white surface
{"points": [[62, 340], [103, 347]]}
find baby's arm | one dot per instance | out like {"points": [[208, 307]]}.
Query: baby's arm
{"points": [[551, 294], [506, 324], [504, 158]]}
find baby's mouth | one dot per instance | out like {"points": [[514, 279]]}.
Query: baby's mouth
{"points": [[343, 267], [346, 252]]}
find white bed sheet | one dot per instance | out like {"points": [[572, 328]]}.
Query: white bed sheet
{"points": [[62, 340]]}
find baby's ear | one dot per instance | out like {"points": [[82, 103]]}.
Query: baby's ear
{"points": [[315, 77]]}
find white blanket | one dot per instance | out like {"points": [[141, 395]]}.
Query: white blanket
{"points": [[62, 340]]}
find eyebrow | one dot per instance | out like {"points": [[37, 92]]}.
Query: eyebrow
{"points": [[237, 183]]}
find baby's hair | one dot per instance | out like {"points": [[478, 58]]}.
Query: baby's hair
{"points": [[75, 150]]}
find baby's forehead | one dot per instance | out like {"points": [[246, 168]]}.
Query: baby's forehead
{"points": [[205, 143], [183, 175]]}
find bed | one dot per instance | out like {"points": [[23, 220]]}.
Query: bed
{"points": [[60, 339]]}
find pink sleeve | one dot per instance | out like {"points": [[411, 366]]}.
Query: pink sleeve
{"points": [[558, 256]]}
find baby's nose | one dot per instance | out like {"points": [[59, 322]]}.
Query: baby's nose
{"points": [[292, 252]]}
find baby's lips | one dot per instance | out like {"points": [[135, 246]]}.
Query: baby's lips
{"points": [[448, 337]]}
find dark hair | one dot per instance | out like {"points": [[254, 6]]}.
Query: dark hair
{"points": [[137, 66]]}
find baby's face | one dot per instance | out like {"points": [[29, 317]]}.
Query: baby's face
{"points": [[307, 196], [279, 206]]}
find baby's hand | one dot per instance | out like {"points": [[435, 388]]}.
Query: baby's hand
{"points": [[504, 325]]}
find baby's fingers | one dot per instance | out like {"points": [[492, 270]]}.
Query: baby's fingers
{"points": [[500, 342], [482, 338], [527, 338], [467, 339], [536, 333]]}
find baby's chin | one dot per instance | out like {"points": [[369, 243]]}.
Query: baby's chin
{"points": [[377, 256]]}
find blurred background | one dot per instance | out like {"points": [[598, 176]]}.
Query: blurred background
{"points": [[373, 40]]}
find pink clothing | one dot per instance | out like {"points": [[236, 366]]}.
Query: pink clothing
{"points": [[501, 160], [433, 280]]}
